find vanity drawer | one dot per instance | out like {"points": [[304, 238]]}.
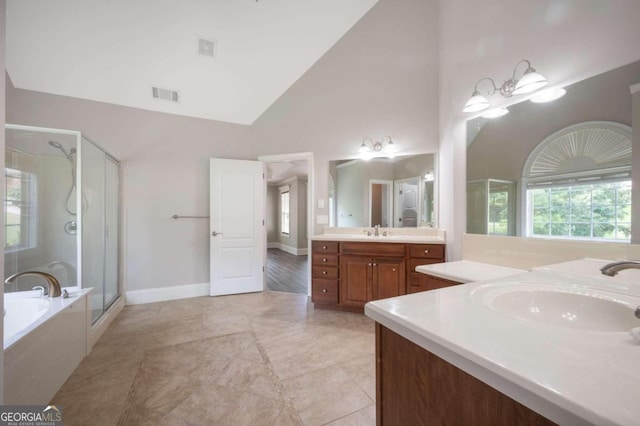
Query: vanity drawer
{"points": [[322, 271], [324, 247], [427, 251], [325, 259], [374, 249], [324, 291]]}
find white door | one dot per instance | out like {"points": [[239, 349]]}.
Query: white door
{"points": [[237, 232], [407, 203]]}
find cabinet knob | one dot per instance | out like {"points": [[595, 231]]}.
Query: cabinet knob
{"points": [[370, 264], [375, 264], [324, 272], [394, 269], [324, 247], [324, 259], [426, 252], [324, 290]]}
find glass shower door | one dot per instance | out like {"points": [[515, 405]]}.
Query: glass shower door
{"points": [[93, 229], [111, 231]]}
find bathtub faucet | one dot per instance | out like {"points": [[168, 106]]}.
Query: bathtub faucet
{"points": [[54, 285]]}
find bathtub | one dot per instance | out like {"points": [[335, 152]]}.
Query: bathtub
{"points": [[44, 341], [20, 314]]}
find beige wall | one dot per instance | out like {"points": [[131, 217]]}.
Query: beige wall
{"points": [[272, 213], [165, 171], [379, 79]]}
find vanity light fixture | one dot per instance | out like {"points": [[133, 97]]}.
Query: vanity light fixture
{"points": [[370, 148], [529, 82], [547, 95]]}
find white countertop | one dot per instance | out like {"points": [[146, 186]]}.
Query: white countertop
{"points": [[572, 377], [465, 271], [415, 239]]}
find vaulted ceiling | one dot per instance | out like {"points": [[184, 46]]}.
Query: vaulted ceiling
{"points": [[115, 51]]}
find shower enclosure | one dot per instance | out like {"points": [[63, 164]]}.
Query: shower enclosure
{"points": [[61, 212]]}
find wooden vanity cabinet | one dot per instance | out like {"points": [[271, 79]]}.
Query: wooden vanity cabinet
{"points": [[370, 278], [423, 282], [324, 273], [416, 387], [425, 254], [347, 275]]}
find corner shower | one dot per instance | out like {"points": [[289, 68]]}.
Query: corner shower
{"points": [[61, 212]]}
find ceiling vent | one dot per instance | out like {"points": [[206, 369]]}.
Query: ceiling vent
{"points": [[207, 47], [165, 94]]}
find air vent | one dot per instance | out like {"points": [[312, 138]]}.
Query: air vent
{"points": [[165, 94], [207, 47]]}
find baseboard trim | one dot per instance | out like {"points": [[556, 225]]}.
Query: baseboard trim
{"points": [[161, 294], [288, 249]]}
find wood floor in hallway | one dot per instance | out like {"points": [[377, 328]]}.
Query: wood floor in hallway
{"points": [[287, 272]]}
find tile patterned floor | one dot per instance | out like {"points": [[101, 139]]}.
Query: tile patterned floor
{"points": [[256, 359]]}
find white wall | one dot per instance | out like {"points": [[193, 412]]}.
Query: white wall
{"points": [[379, 79], [566, 40]]}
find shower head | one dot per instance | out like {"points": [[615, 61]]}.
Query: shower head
{"points": [[66, 153]]}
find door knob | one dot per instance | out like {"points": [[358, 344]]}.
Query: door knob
{"points": [[215, 234]]}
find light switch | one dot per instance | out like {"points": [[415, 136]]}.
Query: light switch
{"points": [[321, 203], [322, 219]]}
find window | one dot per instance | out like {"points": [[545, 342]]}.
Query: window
{"points": [[284, 215], [596, 211], [20, 210], [578, 183]]}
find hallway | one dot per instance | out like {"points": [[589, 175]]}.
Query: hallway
{"points": [[287, 272]]}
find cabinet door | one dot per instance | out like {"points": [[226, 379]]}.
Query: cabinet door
{"points": [[355, 277], [388, 278]]}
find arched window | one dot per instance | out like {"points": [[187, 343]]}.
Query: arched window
{"points": [[578, 183]]}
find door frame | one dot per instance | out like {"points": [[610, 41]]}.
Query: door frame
{"points": [[311, 208]]}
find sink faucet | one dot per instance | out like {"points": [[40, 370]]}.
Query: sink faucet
{"points": [[376, 230], [54, 285], [612, 269]]}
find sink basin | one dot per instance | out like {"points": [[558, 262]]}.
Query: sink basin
{"points": [[583, 310]]}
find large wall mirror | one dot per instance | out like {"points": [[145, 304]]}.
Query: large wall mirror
{"points": [[560, 169], [398, 192]]}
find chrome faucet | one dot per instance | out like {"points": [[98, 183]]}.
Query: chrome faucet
{"points": [[612, 269], [54, 285]]}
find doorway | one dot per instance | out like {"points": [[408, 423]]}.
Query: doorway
{"points": [[288, 222]]}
